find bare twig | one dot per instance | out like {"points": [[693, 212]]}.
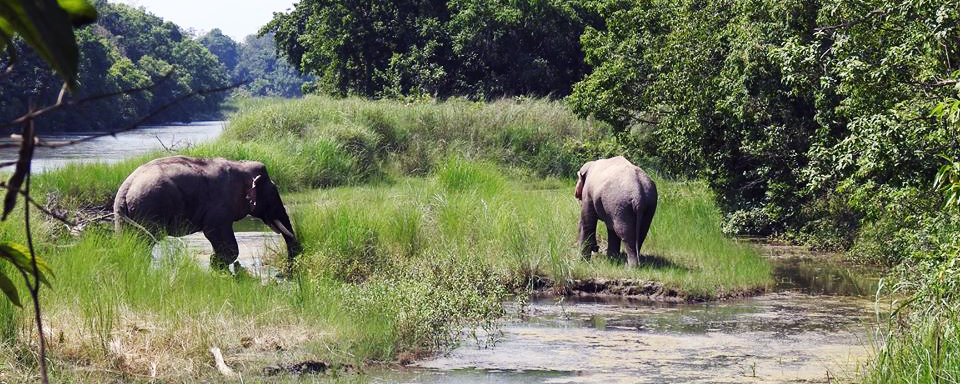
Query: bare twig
{"points": [[70, 103], [943, 83], [135, 124], [852, 23], [221, 365], [26, 153], [45, 211]]}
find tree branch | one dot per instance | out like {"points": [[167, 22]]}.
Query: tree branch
{"points": [[69, 103], [40, 143], [40, 207], [852, 23]]}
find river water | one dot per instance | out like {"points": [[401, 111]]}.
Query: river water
{"points": [[111, 149]]}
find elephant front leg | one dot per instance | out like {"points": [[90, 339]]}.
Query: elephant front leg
{"points": [[225, 248], [588, 236]]}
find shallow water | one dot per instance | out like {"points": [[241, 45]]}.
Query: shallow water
{"points": [[815, 327], [258, 248], [112, 149]]}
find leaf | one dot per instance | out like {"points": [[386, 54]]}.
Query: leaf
{"points": [[21, 172], [19, 256], [48, 28], [10, 290], [80, 11]]}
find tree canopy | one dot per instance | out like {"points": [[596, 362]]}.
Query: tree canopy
{"points": [[481, 49]]}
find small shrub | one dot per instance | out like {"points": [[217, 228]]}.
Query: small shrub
{"points": [[459, 175]]}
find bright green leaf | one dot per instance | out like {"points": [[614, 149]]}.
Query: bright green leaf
{"points": [[9, 289], [19, 256], [48, 29], [80, 11]]}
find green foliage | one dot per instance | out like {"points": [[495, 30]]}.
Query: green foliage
{"points": [[47, 26], [268, 74], [223, 47], [780, 104], [22, 260], [948, 182], [126, 48], [481, 49]]}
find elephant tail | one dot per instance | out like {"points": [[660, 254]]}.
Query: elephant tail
{"points": [[120, 211]]}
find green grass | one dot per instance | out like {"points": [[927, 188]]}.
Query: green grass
{"points": [[519, 230], [111, 310], [428, 215], [928, 351]]}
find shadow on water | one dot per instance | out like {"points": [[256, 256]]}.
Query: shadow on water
{"points": [[817, 273]]}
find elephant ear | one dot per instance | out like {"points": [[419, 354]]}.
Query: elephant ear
{"points": [[578, 192], [251, 195]]}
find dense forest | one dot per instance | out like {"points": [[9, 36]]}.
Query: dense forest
{"points": [[129, 48]]}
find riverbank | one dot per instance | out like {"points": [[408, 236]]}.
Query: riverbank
{"points": [[427, 217]]}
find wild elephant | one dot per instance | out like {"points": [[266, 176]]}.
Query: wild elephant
{"points": [[180, 195], [624, 197]]}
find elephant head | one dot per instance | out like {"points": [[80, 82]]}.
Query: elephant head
{"points": [[264, 203]]}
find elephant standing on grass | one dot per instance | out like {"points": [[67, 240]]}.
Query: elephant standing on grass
{"points": [[624, 197], [182, 195]]}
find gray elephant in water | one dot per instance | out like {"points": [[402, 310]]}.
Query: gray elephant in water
{"points": [[182, 195], [624, 197]]}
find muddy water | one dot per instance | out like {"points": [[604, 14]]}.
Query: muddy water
{"points": [[815, 327]]}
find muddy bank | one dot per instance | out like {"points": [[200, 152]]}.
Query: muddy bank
{"points": [[795, 268], [640, 290]]}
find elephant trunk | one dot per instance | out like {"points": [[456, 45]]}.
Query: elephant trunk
{"points": [[282, 226]]}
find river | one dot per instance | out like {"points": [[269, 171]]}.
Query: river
{"points": [[111, 149]]}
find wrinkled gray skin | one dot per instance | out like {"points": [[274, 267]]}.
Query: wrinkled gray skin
{"points": [[179, 195], [624, 197]]}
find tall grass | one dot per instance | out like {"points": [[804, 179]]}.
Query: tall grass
{"points": [[520, 231], [324, 142], [113, 310]]}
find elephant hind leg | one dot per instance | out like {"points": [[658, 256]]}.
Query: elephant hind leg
{"points": [[225, 248], [625, 226], [588, 234], [643, 224], [613, 243]]}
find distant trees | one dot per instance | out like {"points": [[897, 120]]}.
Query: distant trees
{"points": [[268, 75], [126, 48], [223, 47], [481, 49]]}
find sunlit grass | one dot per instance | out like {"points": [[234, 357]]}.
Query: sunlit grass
{"points": [[524, 230]]}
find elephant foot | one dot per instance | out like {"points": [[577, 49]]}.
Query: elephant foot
{"points": [[219, 265]]}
